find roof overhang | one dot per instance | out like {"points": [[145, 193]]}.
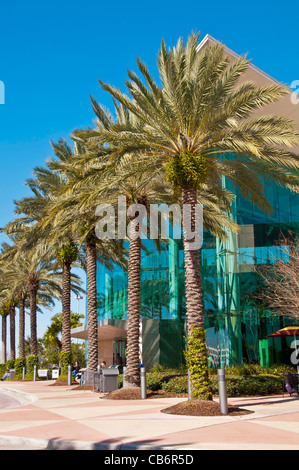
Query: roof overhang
{"points": [[108, 329]]}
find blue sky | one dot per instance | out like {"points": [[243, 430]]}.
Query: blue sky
{"points": [[53, 53]]}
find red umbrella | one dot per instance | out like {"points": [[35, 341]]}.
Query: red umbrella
{"points": [[289, 330]]}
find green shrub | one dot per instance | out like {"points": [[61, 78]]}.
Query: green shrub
{"points": [[10, 363], [65, 361], [246, 370], [253, 385], [248, 385], [176, 385], [2, 370], [154, 381], [32, 361], [241, 380], [20, 362]]}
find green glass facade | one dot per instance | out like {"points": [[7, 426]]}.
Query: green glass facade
{"points": [[235, 328]]}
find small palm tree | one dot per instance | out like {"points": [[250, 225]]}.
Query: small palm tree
{"points": [[199, 127]]}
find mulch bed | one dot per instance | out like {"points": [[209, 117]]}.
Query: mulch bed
{"points": [[135, 394], [203, 408], [187, 408]]}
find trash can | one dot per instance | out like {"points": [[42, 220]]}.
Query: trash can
{"points": [[109, 381], [11, 374], [55, 373]]}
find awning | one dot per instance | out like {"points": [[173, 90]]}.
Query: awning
{"points": [[108, 329]]}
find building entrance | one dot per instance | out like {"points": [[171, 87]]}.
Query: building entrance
{"points": [[119, 352]]}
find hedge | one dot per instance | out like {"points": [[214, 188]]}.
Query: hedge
{"points": [[235, 385], [248, 379]]}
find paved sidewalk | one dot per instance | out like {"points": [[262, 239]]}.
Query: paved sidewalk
{"points": [[44, 416]]}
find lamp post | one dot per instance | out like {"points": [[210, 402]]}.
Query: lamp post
{"points": [[78, 297]]}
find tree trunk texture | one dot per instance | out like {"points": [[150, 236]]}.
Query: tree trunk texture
{"points": [[66, 307], [4, 339], [194, 299], [21, 325], [12, 316], [133, 331], [33, 322], [91, 269], [198, 360]]}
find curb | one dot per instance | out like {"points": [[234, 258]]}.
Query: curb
{"points": [[22, 397]]}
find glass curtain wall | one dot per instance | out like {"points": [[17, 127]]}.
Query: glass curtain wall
{"points": [[235, 326]]}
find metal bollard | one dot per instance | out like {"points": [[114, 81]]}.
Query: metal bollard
{"points": [[222, 391], [69, 375], [124, 376], [143, 382], [23, 374], [189, 386], [34, 373]]}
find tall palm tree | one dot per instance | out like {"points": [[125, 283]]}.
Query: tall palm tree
{"points": [[22, 295], [67, 256], [66, 214], [138, 188], [126, 177], [39, 272], [45, 185], [4, 312], [15, 292], [12, 318], [199, 126]]}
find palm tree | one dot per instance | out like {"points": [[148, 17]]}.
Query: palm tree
{"points": [[15, 293], [12, 317], [138, 188], [36, 270], [45, 185], [66, 214], [123, 177], [4, 312], [200, 127], [67, 255]]}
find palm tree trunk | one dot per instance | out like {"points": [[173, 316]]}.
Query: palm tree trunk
{"points": [[91, 269], [21, 325], [194, 300], [66, 307], [133, 350], [12, 333], [4, 339], [197, 357], [33, 322]]}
